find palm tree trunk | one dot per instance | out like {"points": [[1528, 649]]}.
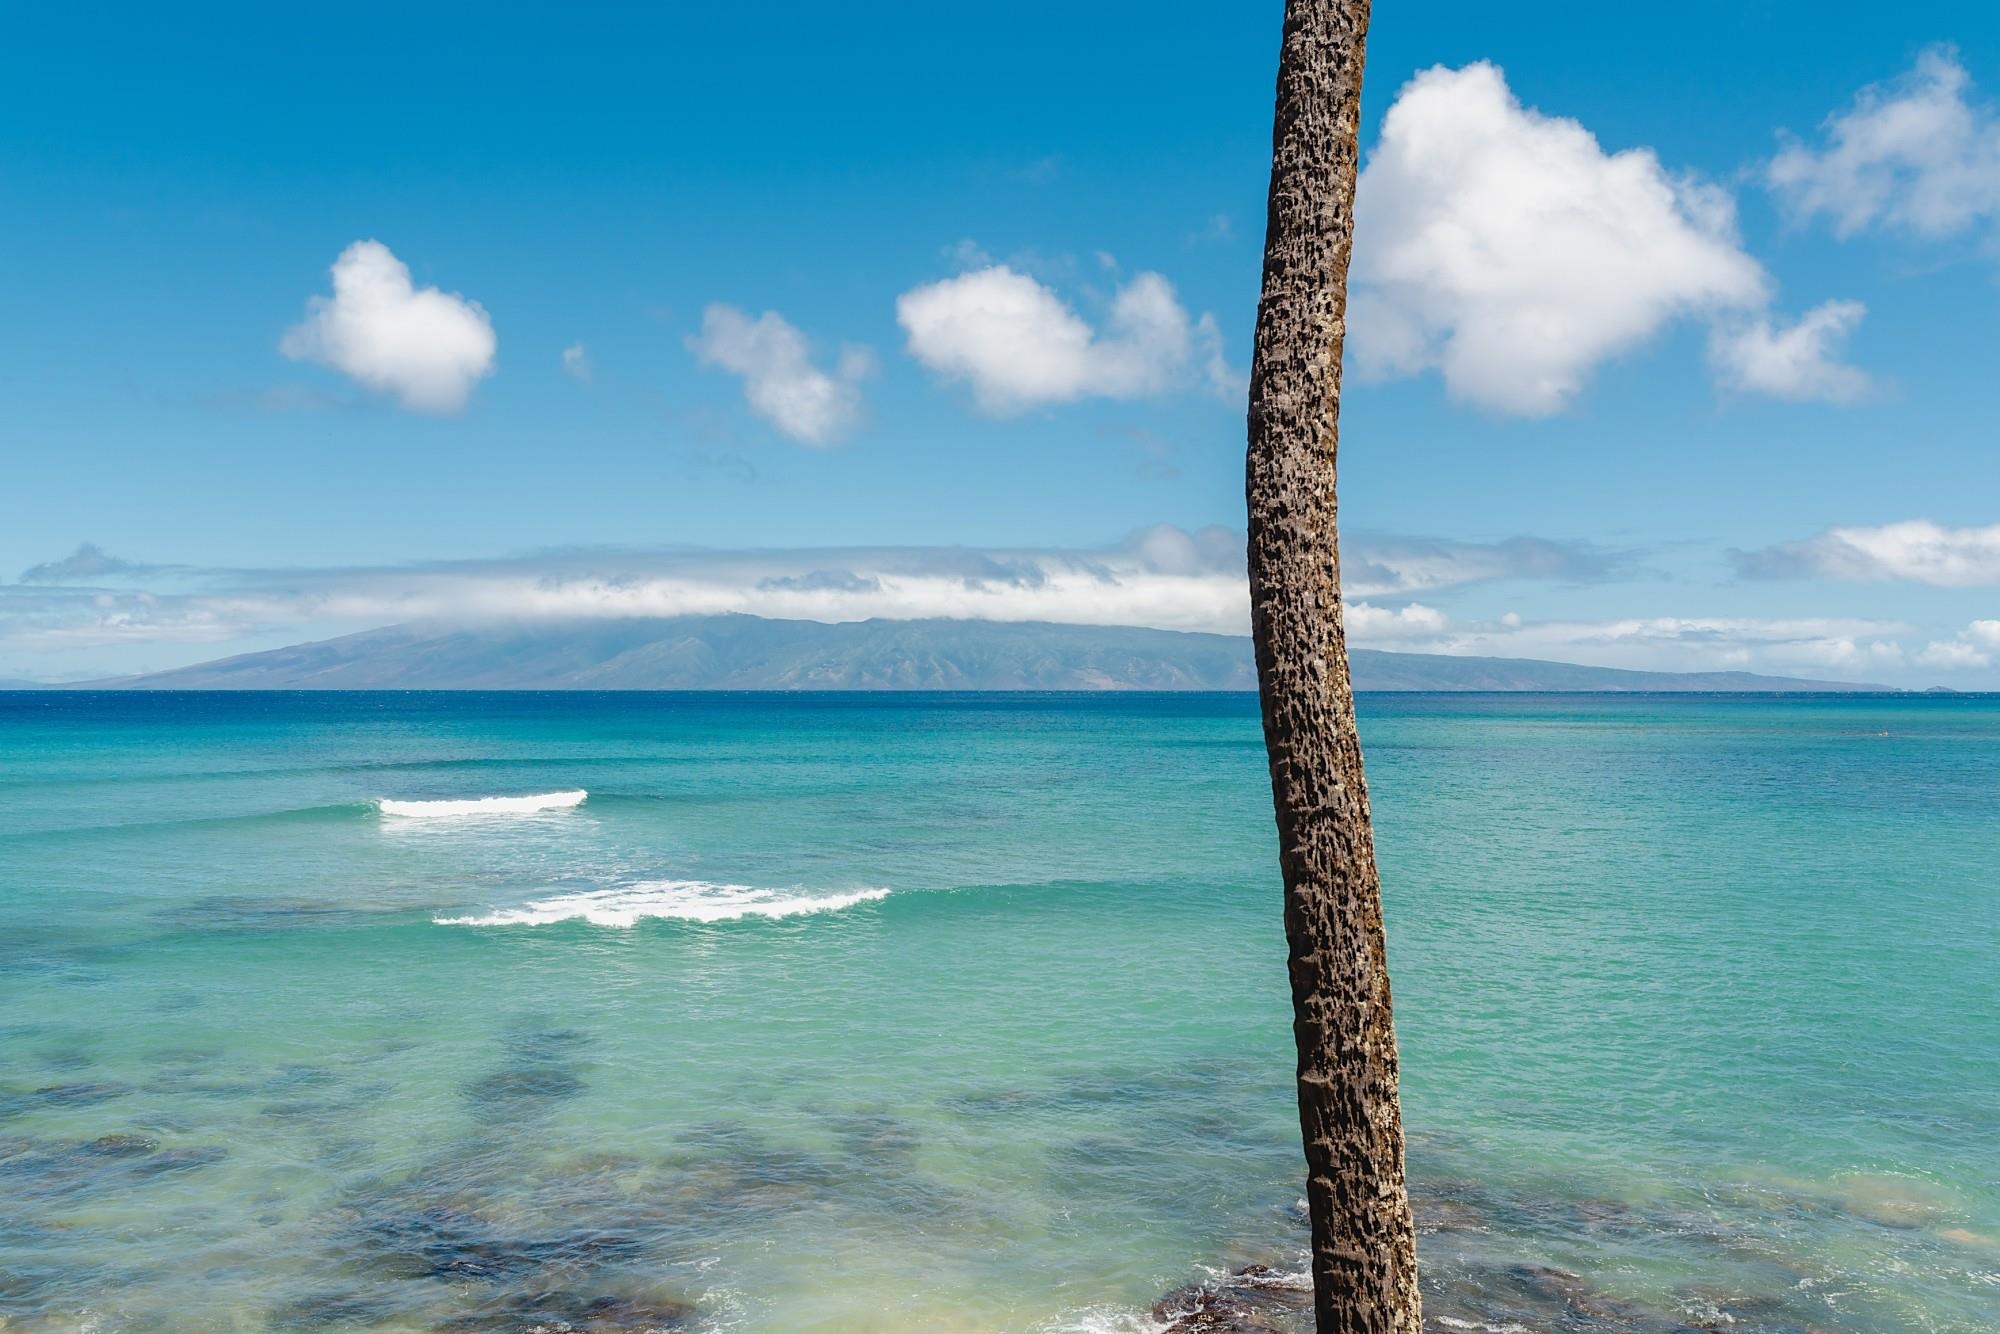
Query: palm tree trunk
{"points": [[1363, 1241]]}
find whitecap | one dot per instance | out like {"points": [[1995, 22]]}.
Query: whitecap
{"points": [[433, 810], [680, 900], [1104, 1320]]}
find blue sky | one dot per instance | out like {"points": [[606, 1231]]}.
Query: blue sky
{"points": [[856, 288]]}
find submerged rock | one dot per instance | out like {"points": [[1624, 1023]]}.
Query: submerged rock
{"points": [[184, 1159], [547, 1044], [1436, 1213], [1248, 1302], [449, 1241], [79, 1095], [32, 1168], [1525, 1296], [1460, 1296], [1709, 1309], [1960, 1236], [68, 1058], [439, 1240], [1893, 1201], [121, 1146], [528, 1084], [353, 1309], [571, 1313], [875, 1137], [540, 1071]]}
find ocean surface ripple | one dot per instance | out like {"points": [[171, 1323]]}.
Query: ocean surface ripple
{"points": [[1695, 999]]}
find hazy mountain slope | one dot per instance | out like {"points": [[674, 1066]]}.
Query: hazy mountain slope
{"points": [[750, 653]]}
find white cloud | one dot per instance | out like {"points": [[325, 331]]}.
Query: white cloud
{"points": [[133, 615], [422, 345], [1373, 565], [1369, 623], [1978, 645], [1020, 346], [1953, 654], [1161, 576], [576, 363], [1223, 378], [1852, 648], [1119, 586], [780, 381], [1507, 250], [1799, 361], [1916, 551], [1912, 156]]}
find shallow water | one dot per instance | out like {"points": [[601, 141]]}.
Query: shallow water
{"points": [[969, 1013]]}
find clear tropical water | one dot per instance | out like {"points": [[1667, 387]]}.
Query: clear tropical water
{"points": [[969, 1013]]}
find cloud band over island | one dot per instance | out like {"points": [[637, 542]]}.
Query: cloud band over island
{"points": [[1162, 577]]}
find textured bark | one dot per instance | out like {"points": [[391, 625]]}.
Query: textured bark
{"points": [[1363, 1240]]}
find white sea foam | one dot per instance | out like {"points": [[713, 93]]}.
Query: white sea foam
{"points": [[682, 900], [435, 810], [1103, 1320]]}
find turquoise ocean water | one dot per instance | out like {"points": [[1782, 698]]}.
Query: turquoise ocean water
{"points": [[969, 1013]]}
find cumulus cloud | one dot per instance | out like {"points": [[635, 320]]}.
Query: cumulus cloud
{"points": [[1507, 250], [1978, 645], [1915, 551], [780, 381], [1368, 623], [1914, 156], [425, 347], [1799, 361], [576, 363], [1019, 345]]}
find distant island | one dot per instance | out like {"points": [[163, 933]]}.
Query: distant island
{"points": [[739, 652]]}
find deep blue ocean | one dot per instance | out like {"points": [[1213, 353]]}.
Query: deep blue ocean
{"points": [[969, 1013]]}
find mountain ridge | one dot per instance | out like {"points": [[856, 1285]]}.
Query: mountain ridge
{"points": [[740, 652]]}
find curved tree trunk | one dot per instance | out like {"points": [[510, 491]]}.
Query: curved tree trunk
{"points": [[1363, 1241]]}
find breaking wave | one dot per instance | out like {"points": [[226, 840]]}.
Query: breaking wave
{"points": [[433, 810], [681, 900]]}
